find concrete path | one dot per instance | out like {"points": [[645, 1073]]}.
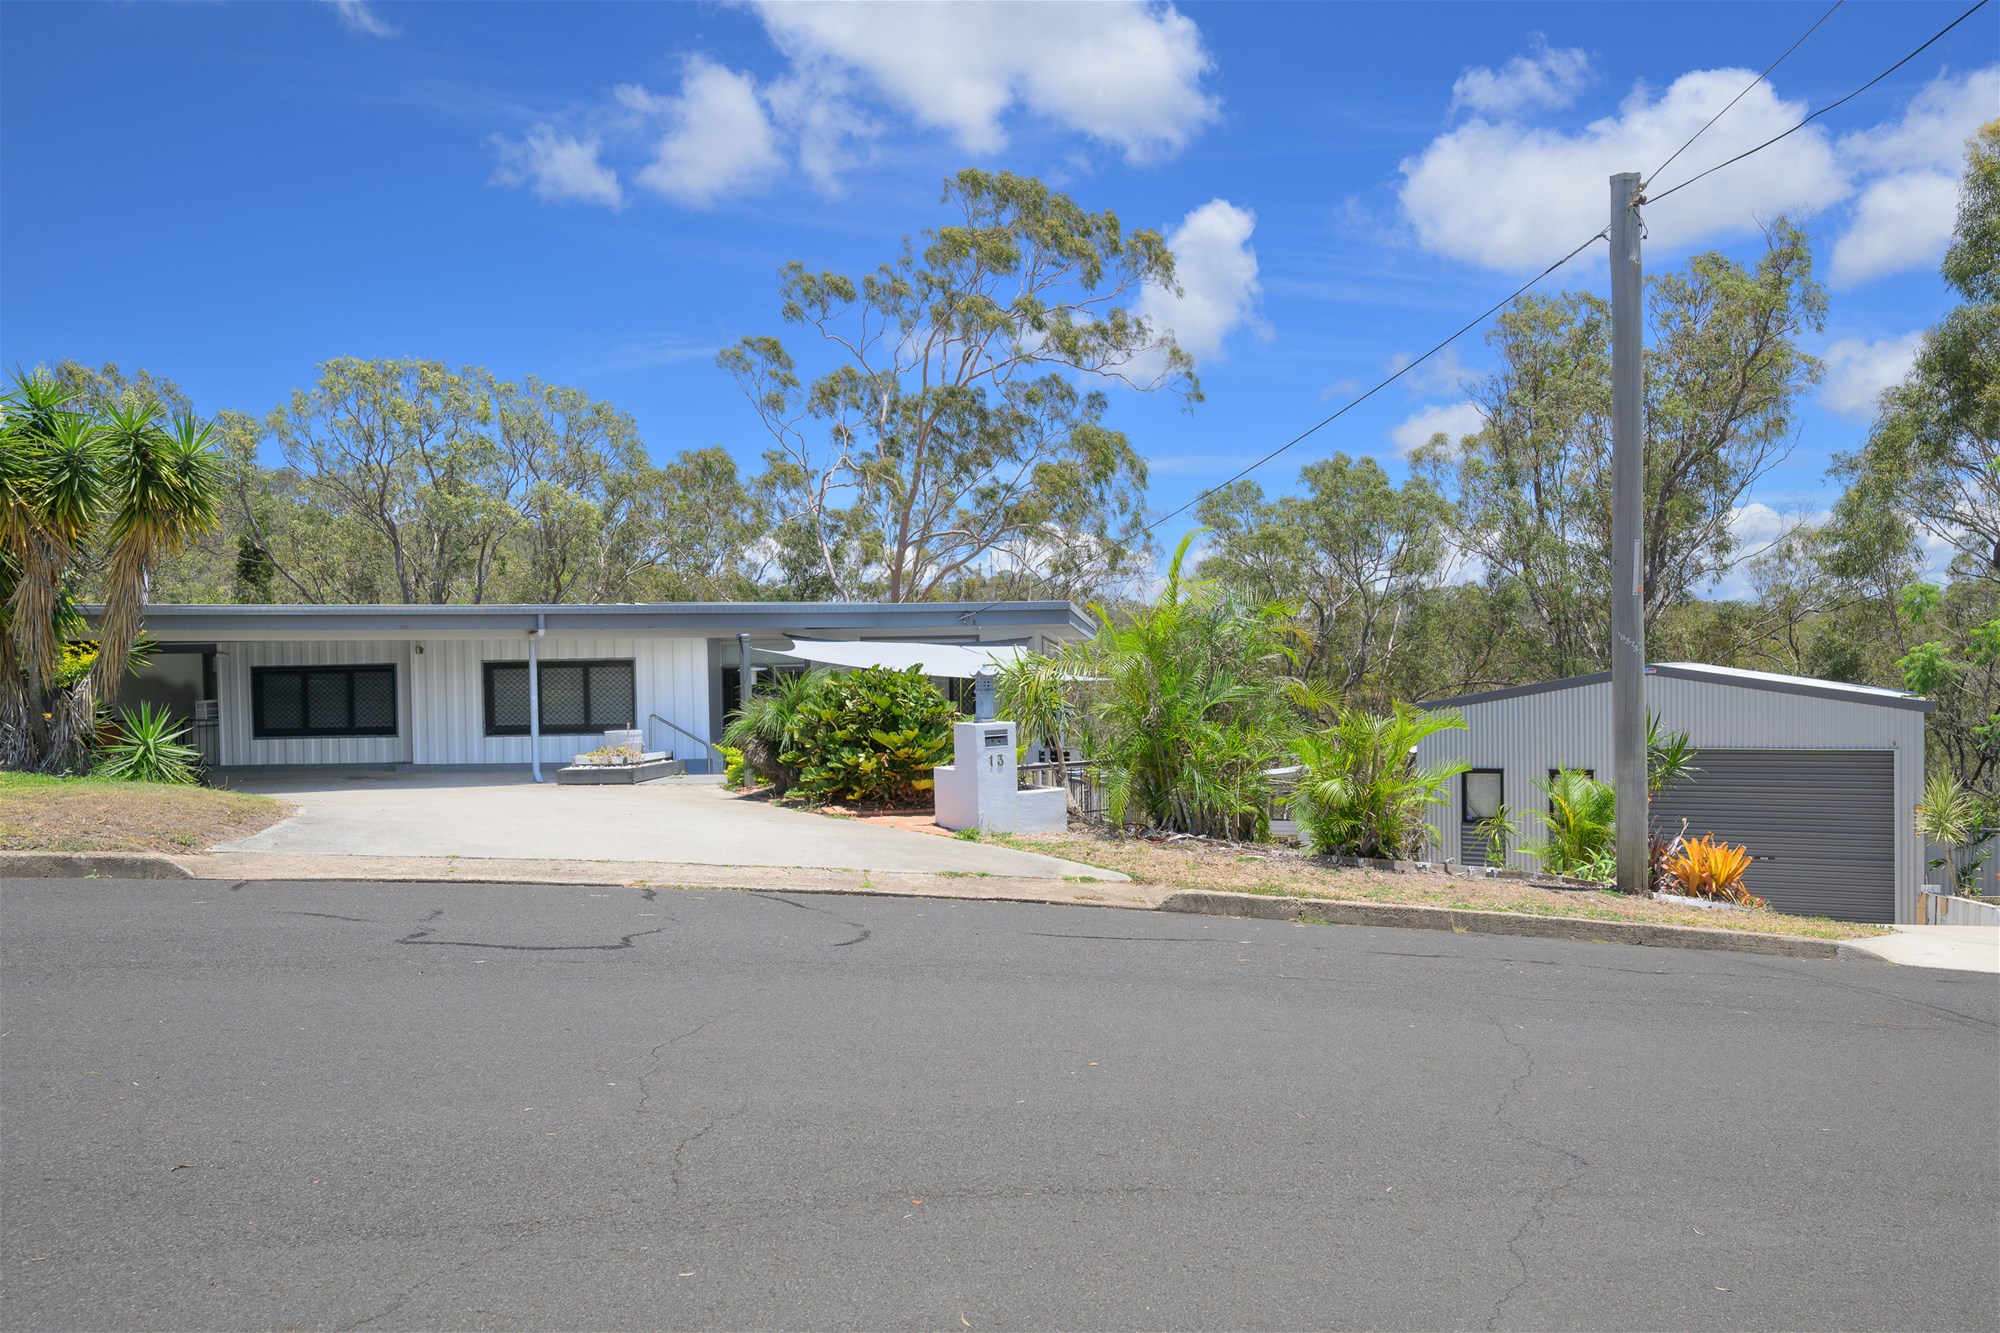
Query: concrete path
{"points": [[506, 816], [1958, 948]]}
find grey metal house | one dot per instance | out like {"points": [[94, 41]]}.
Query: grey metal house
{"points": [[451, 686], [1818, 779]]}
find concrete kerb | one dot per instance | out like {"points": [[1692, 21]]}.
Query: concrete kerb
{"points": [[984, 888], [90, 865], [1206, 902]]}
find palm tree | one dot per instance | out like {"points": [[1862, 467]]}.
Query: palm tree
{"points": [[83, 496], [1187, 705], [1363, 793]]}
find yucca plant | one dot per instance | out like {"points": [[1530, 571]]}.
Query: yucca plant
{"points": [[150, 746], [1580, 825], [1707, 867], [1363, 793], [82, 494], [1950, 815]]}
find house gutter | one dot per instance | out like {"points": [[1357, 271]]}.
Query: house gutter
{"points": [[535, 694]]}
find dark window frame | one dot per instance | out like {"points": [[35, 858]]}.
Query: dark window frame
{"points": [[258, 675], [1465, 815], [587, 728], [1560, 769]]}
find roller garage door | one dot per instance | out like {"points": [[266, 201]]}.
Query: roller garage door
{"points": [[1820, 823]]}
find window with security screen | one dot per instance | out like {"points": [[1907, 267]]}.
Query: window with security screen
{"points": [[576, 697], [287, 702]]}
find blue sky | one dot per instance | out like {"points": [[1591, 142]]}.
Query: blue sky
{"points": [[602, 194]]}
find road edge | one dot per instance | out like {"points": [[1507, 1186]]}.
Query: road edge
{"points": [[1324, 911]]}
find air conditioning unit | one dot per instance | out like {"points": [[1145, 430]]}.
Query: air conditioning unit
{"points": [[207, 712]]}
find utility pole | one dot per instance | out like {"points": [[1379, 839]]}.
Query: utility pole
{"points": [[1628, 488]]}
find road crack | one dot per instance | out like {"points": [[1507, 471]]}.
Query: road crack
{"points": [[1540, 1201]]}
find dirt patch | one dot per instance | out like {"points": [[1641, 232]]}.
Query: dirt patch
{"points": [[39, 814], [1261, 868]]}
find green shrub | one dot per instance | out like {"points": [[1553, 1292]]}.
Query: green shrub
{"points": [[1581, 826], [732, 767], [149, 748], [1362, 793], [871, 735], [761, 729]]}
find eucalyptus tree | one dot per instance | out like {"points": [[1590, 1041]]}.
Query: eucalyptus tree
{"points": [[1932, 461], [965, 407], [1724, 370], [1356, 553]]}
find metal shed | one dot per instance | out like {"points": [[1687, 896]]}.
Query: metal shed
{"points": [[1817, 778]]}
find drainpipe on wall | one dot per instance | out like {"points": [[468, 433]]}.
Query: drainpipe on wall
{"points": [[744, 680], [535, 694]]}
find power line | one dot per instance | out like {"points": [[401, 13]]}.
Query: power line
{"points": [[1828, 107], [1745, 93], [1462, 330]]}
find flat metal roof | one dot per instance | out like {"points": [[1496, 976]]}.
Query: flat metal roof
{"points": [[812, 619], [1715, 675]]}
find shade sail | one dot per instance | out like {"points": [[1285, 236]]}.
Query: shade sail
{"points": [[964, 660]]}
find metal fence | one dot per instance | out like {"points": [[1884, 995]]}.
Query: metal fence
{"points": [[1985, 880], [1083, 777]]}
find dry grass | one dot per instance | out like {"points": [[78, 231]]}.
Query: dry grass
{"points": [[1246, 868], [39, 814]]}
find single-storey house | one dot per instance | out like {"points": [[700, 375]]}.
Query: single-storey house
{"points": [[433, 687], [1819, 779]]}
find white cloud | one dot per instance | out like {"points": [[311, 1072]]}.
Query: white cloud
{"points": [[557, 167], [1217, 270], [1509, 196], [1857, 372], [1443, 373], [1125, 72], [1545, 80], [1903, 220], [719, 140], [1451, 419], [359, 18]]}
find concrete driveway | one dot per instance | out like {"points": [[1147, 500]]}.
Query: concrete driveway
{"points": [[687, 820]]}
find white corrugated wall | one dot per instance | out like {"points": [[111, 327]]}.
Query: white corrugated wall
{"points": [[1527, 735], [670, 676], [239, 748]]}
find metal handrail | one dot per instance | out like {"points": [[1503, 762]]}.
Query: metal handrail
{"points": [[655, 717]]}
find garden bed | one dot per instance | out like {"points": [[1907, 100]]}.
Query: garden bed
{"points": [[1197, 863], [42, 814]]}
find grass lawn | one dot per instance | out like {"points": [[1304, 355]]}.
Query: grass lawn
{"points": [[1250, 868], [40, 814]]}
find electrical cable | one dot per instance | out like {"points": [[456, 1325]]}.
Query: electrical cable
{"points": [[1462, 330], [1740, 96], [1828, 107]]}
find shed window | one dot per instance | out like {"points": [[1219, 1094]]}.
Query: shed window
{"points": [[576, 697], [1555, 773], [290, 702], [1481, 793]]}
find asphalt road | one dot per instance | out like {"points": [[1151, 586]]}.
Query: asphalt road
{"points": [[452, 1106]]}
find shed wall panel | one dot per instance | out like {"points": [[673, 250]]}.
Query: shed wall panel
{"points": [[240, 748], [1527, 735], [669, 675]]}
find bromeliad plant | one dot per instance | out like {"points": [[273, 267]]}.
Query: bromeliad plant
{"points": [[870, 736], [1708, 867], [1363, 793]]}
